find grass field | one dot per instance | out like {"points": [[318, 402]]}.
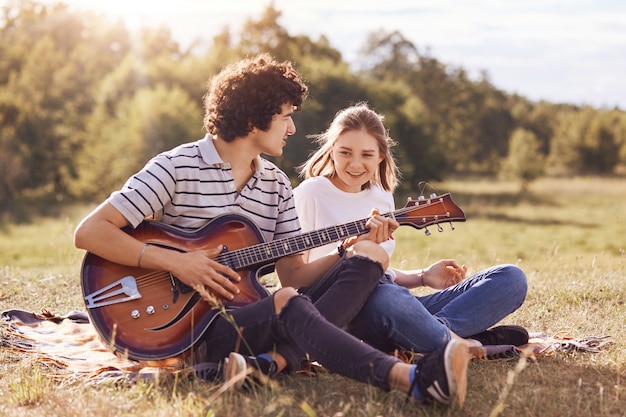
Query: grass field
{"points": [[569, 236]]}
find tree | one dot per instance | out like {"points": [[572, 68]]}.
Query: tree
{"points": [[525, 161], [584, 142], [388, 55], [264, 35], [54, 60], [600, 149], [151, 121]]}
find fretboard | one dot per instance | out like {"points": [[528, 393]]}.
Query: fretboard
{"points": [[263, 253]]}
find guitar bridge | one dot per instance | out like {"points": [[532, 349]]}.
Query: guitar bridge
{"points": [[125, 287]]}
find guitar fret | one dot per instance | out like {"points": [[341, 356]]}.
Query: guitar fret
{"points": [[244, 256], [276, 248], [300, 244], [317, 238], [254, 256], [241, 257]]}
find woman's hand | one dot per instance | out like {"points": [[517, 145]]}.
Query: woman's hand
{"points": [[380, 229], [443, 274]]}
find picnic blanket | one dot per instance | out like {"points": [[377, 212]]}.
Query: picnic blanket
{"points": [[71, 346]]}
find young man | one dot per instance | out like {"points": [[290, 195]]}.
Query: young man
{"points": [[248, 111]]}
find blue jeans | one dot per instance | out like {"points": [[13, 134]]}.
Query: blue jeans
{"points": [[394, 318]]}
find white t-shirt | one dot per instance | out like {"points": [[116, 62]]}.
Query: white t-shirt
{"points": [[320, 204]]}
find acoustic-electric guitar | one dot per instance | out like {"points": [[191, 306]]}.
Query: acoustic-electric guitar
{"points": [[150, 315]]}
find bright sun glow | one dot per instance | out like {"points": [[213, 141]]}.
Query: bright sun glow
{"points": [[134, 12], [189, 19]]}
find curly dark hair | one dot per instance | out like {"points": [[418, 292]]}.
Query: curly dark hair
{"points": [[248, 94]]}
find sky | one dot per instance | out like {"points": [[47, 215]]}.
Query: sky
{"points": [[562, 51]]}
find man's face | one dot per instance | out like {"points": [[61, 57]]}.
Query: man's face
{"points": [[272, 141]]}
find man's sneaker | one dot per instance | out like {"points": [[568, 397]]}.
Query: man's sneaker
{"points": [[502, 335], [442, 376], [244, 371], [236, 370]]}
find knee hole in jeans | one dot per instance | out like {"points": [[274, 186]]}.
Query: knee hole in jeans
{"points": [[373, 251], [282, 296]]}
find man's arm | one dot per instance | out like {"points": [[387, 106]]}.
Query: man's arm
{"points": [[100, 233], [294, 271]]}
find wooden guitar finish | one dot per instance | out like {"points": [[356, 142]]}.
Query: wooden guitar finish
{"points": [[148, 315]]}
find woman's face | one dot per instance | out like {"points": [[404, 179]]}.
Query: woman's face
{"points": [[356, 158]]}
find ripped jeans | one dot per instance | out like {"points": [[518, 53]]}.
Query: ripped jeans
{"points": [[300, 331]]}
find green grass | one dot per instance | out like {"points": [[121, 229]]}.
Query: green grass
{"points": [[569, 235]]}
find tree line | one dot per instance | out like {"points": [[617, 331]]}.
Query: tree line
{"points": [[85, 102]]}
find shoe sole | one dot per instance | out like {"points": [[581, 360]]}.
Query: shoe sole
{"points": [[495, 353], [456, 360], [235, 368]]}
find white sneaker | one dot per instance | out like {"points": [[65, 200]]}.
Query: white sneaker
{"points": [[235, 370]]}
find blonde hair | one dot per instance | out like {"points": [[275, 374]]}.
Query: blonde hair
{"points": [[357, 117]]}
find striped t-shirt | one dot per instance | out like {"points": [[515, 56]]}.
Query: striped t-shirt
{"points": [[190, 185]]}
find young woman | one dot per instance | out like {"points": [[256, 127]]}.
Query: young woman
{"points": [[354, 171], [249, 108]]}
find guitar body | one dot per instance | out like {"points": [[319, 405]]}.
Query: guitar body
{"points": [[150, 315]]}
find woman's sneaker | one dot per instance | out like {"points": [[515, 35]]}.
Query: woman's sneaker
{"points": [[502, 335], [442, 376]]}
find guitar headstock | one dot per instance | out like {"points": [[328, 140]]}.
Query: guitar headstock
{"points": [[427, 211]]}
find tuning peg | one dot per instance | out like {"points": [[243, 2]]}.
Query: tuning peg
{"points": [[433, 195], [427, 232], [439, 228], [421, 198], [409, 198], [451, 225]]}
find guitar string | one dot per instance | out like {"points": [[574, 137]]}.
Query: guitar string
{"points": [[151, 277], [256, 254]]}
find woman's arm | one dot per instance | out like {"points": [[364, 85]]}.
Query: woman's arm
{"points": [[442, 274], [295, 271]]}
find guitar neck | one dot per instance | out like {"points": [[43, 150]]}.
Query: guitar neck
{"points": [[419, 214], [264, 253]]}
